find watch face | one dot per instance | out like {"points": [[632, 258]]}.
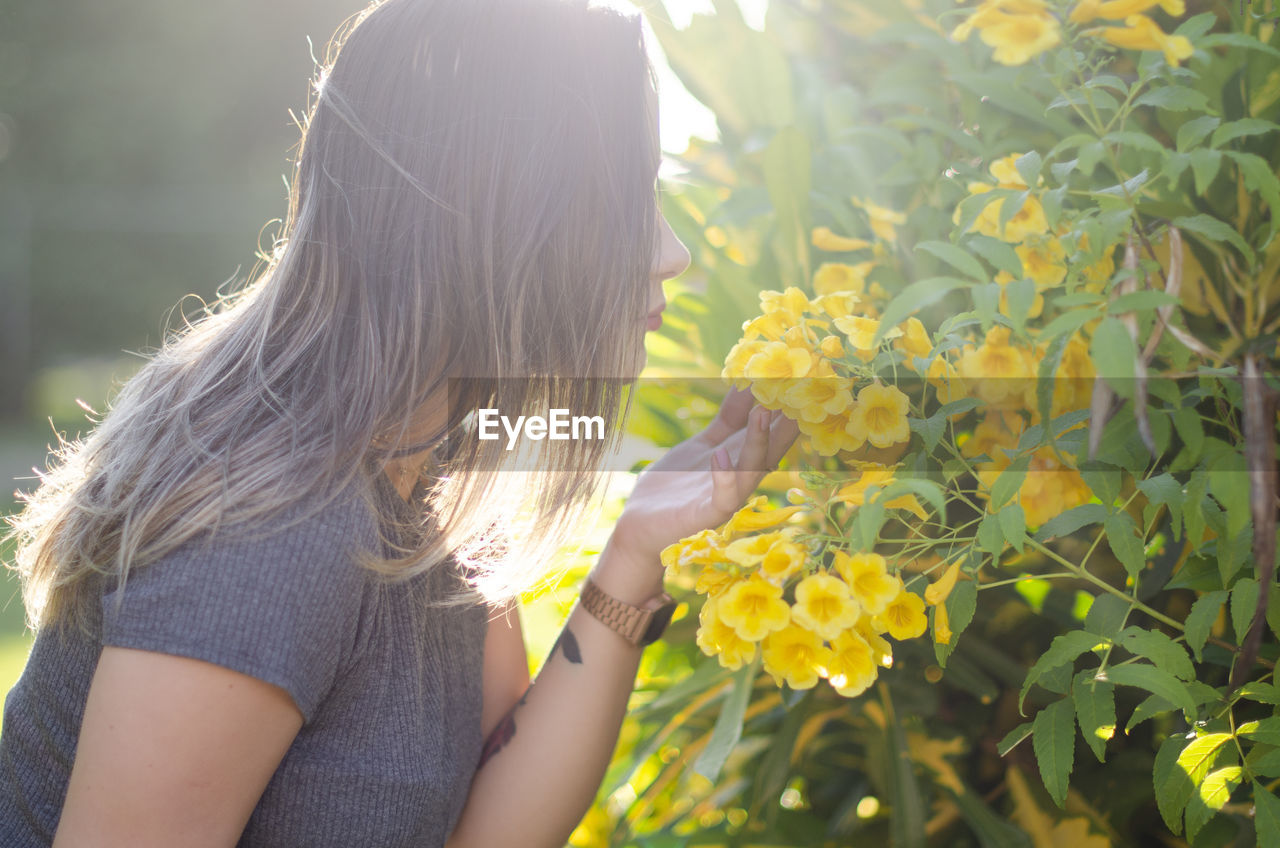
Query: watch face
{"points": [[658, 624]]}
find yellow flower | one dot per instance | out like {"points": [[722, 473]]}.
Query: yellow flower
{"points": [[701, 548], [881, 651], [1049, 489], [837, 304], [824, 239], [880, 416], [824, 605], [792, 303], [832, 347], [783, 559], [869, 580], [834, 277], [904, 617], [717, 639], [853, 666], [997, 372], [831, 435], [1005, 171], [1000, 429], [1019, 38], [757, 514], [1116, 10], [1037, 303], [1043, 262], [860, 332], [914, 341], [1073, 381], [754, 608], [874, 474], [778, 361], [770, 327], [713, 580], [1029, 220], [817, 397], [750, 550], [1098, 273], [1142, 33], [883, 220], [940, 589], [735, 364], [796, 655], [941, 625]]}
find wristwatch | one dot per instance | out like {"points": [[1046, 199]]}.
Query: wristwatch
{"points": [[637, 625]]}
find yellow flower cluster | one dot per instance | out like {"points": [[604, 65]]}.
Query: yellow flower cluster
{"points": [[1139, 31], [833, 629], [1019, 30]]}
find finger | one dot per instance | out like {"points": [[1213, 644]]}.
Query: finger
{"points": [[782, 435], [755, 445], [724, 483], [731, 417]]}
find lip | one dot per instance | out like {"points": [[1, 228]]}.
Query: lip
{"points": [[653, 320]]}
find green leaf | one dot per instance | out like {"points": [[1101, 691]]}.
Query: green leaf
{"points": [[1113, 352], [1103, 480], [1134, 140], [728, 727], [1194, 761], [1150, 707], [1066, 523], [1107, 614], [930, 491], [1140, 301], [930, 429], [1062, 650], [1013, 524], [1155, 681], [1164, 489], [904, 792], [914, 297], [1205, 164], [1172, 784], [1215, 231], [1009, 482], [1194, 131], [1266, 816], [999, 254], [1213, 796], [1174, 98], [1095, 702], [1244, 603], [1265, 730], [990, 536], [956, 258], [1067, 322], [1204, 612], [1238, 129], [1165, 653], [1121, 535], [1191, 431], [1053, 738], [1263, 693], [1013, 737], [1260, 178]]}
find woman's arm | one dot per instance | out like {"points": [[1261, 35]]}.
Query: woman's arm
{"points": [[543, 764], [172, 751]]}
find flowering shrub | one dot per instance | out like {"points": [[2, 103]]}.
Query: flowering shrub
{"points": [[1011, 267]]}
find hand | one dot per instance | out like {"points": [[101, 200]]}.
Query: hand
{"points": [[698, 484]]}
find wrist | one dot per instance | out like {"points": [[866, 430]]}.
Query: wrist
{"points": [[627, 575]]}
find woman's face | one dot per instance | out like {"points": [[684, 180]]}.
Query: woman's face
{"points": [[672, 258]]}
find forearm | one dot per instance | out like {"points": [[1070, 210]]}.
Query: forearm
{"points": [[543, 764]]}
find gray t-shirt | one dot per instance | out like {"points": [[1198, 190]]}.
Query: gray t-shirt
{"points": [[390, 692]]}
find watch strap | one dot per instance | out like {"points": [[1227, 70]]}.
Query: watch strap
{"points": [[630, 622]]}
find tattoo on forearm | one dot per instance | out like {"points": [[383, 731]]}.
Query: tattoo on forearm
{"points": [[502, 733], [568, 644]]}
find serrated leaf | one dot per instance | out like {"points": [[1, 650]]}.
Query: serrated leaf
{"points": [[990, 536], [1213, 794], [1113, 352], [1174, 98], [1066, 523], [1155, 681], [1009, 481], [1013, 738], [1121, 535], [1215, 231], [1134, 140], [930, 429], [1062, 650], [1238, 129], [1140, 301], [1244, 603], [1053, 738], [914, 297], [1107, 615], [1095, 702], [1205, 164], [1204, 612], [1263, 693], [1194, 131], [1164, 489], [1266, 730], [1266, 817], [1173, 786], [1013, 524], [1148, 708], [1165, 653]]}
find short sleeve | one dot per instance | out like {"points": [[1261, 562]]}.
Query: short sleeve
{"points": [[282, 606]]}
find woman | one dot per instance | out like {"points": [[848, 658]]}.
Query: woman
{"points": [[262, 587]]}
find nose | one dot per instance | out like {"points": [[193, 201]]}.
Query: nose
{"points": [[673, 257]]}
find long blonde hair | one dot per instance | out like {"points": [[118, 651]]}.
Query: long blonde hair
{"points": [[473, 205]]}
